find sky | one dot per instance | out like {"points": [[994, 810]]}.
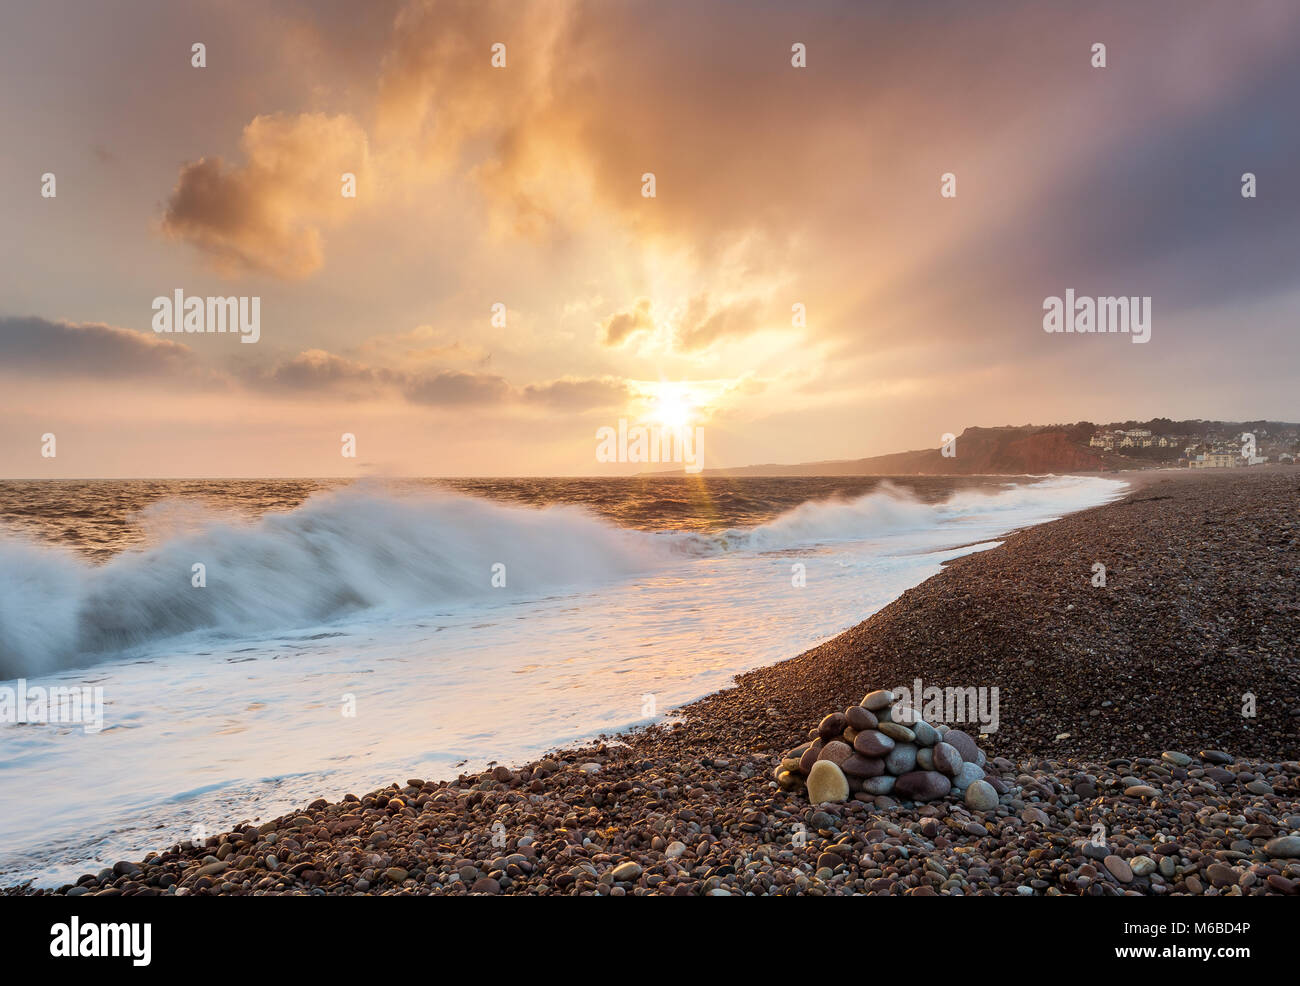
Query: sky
{"points": [[502, 286]]}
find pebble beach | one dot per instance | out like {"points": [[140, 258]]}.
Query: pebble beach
{"points": [[1147, 743]]}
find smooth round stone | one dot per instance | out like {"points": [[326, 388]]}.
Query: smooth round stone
{"points": [[626, 871], [980, 796], [885, 715], [827, 784], [823, 821], [871, 743], [901, 759], [922, 785], [964, 743], [1168, 866], [1142, 865], [879, 785], [810, 757], [926, 735], [1119, 869], [787, 780], [904, 714], [925, 758], [897, 731], [946, 759], [832, 725], [1284, 847], [968, 775], [1176, 758], [1140, 791], [860, 718], [836, 752], [859, 766], [1259, 787], [1222, 875], [1216, 757], [877, 700]]}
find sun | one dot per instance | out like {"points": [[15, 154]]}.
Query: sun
{"points": [[673, 406]]}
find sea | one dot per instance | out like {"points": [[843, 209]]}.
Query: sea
{"points": [[258, 644]]}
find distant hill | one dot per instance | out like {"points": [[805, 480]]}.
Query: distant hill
{"points": [[1013, 450]]}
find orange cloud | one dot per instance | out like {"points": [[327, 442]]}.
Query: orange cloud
{"points": [[619, 327], [266, 215]]}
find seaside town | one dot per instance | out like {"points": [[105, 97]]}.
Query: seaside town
{"points": [[1203, 445]]}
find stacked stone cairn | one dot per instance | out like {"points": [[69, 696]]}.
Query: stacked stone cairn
{"points": [[880, 749]]}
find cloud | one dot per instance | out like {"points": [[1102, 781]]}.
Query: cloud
{"points": [[316, 369], [266, 215], [619, 327], [318, 372], [33, 344], [457, 388], [577, 394], [704, 324]]}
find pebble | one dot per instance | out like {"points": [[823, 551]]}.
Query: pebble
{"points": [[926, 735], [879, 785], [877, 700], [1142, 865], [897, 732], [860, 718], [627, 872], [947, 759], [968, 775], [1284, 847], [980, 796], [836, 752], [827, 784], [923, 785], [832, 725], [872, 743], [1222, 875], [901, 758], [1118, 868], [860, 766], [964, 743]]}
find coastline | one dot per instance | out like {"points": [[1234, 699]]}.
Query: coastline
{"points": [[1183, 627]]}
